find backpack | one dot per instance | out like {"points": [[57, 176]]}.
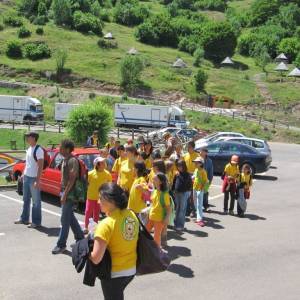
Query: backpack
{"points": [[46, 156]]}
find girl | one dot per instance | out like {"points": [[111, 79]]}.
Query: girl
{"points": [[96, 178], [160, 209], [170, 172], [158, 167], [136, 201], [119, 234], [244, 185], [230, 177], [148, 147], [182, 189], [117, 165], [126, 173], [200, 182]]}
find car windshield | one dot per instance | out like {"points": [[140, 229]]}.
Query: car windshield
{"points": [[88, 159], [180, 118], [209, 137]]}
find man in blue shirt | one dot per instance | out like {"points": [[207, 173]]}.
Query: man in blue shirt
{"points": [[208, 166]]}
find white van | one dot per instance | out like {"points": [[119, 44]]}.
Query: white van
{"points": [[20, 109], [62, 111]]}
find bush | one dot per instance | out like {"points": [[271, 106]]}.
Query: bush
{"points": [[200, 80], [12, 20], [290, 46], [14, 49], [218, 5], [1, 27], [189, 44], [262, 10], [131, 70], [104, 15], [85, 22], [130, 13], [36, 50], [42, 9], [39, 31], [107, 44], [61, 57], [198, 57], [28, 7], [40, 20], [297, 60], [23, 32], [62, 12], [93, 115]]}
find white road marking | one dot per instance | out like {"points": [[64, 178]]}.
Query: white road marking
{"points": [[2, 233], [43, 209], [215, 197]]}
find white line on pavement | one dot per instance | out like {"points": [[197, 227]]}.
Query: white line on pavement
{"points": [[216, 197], [43, 209], [2, 233]]}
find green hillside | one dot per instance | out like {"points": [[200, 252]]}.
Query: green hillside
{"points": [[190, 19]]}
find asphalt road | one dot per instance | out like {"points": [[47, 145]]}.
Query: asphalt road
{"points": [[257, 257]]}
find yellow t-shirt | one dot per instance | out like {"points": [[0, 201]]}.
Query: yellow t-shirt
{"points": [[126, 175], [232, 170], [148, 163], [135, 201], [157, 212], [120, 231], [151, 176], [95, 180], [246, 178], [188, 158], [170, 176], [200, 179], [117, 165]]}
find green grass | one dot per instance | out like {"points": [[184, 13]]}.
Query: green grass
{"points": [[46, 138], [8, 91], [240, 5]]}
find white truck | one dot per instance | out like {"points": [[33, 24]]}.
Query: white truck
{"points": [[62, 111], [137, 115], [20, 109]]}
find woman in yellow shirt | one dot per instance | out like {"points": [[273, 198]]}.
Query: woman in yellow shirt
{"points": [[136, 201], [160, 210], [118, 233], [96, 178], [148, 150], [126, 173], [117, 164]]}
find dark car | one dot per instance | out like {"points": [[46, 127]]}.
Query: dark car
{"points": [[189, 134], [221, 152]]}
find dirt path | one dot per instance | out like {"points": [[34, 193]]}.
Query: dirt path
{"points": [[262, 88]]}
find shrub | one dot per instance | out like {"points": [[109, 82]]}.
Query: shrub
{"points": [[42, 9], [14, 49], [23, 32], [262, 57], [62, 12], [200, 80], [262, 10], [36, 50], [1, 27], [198, 57], [85, 22], [297, 60], [290, 46], [188, 43], [93, 115], [28, 7], [131, 70], [61, 57], [12, 20], [39, 31], [185, 4], [218, 5], [107, 44], [40, 20], [104, 15]]}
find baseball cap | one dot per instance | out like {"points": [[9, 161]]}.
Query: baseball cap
{"points": [[99, 159], [199, 159]]}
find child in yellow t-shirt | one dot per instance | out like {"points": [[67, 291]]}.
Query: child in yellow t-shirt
{"points": [[96, 178], [136, 201], [117, 164], [200, 184], [160, 210]]}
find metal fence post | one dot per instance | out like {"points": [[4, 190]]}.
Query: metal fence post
{"points": [[260, 120], [233, 115], [59, 125], [118, 132], [28, 125], [13, 125], [44, 126], [132, 134], [274, 124]]}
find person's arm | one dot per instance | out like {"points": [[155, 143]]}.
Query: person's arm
{"points": [[211, 172], [40, 164], [72, 178], [98, 251], [167, 218]]}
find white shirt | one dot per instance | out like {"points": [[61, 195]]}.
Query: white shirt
{"points": [[31, 167]]}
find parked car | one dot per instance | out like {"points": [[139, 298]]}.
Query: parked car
{"points": [[221, 152], [188, 134], [258, 144], [51, 176], [158, 134], [213, 137]]}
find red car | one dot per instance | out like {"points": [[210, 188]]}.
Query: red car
{"points": [[51, 176]]}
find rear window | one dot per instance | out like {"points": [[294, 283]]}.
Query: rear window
{"points": [[232, 148], [257, 144], [215, 148], [249, 150]]}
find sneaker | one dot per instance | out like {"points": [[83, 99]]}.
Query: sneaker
{"points": [[32, 225], [58, 250], [21, 222], [207, 210], [200, 223], [179, 228], [231, 212], [225, 212]]}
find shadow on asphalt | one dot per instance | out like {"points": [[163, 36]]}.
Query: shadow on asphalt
{"points": [[213, 223], [253, 217], [173, 235], [181, 270], [266, 177], [196, 233], [54, 231]]}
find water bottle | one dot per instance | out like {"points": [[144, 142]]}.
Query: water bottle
{"points": [[92, 227]]}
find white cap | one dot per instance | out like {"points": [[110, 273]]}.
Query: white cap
{"points": [[99, 159]]}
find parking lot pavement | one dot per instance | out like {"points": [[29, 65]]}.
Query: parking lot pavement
{"points": [[254, 258]]}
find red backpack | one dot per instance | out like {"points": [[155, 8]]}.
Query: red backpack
{"points": [[46, 156]]}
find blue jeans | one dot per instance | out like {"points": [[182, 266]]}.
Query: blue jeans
{"points": [[181, 200], [68, 220], [30, 192], [199, 205]]}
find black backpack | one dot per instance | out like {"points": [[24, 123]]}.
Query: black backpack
{"points": [[46, 156]]}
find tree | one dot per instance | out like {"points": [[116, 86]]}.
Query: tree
{"points": [[297, 60], [290, 46], [263, 10], [62, 12], [200, 80], [93, 115], [131, 70], [198, 57], [262, 57], [61, 56]]}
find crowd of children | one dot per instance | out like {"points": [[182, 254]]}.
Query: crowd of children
{"points": [[162, 189]]}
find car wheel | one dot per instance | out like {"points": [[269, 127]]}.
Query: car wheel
{"points": [[252, 169]]}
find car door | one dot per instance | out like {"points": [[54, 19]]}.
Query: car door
{"points": [[213, 154], [51, 176]]}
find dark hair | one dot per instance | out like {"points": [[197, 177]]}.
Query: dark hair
{"points": [[156, 155], [160, 165], [131, 149], [149, 142], [140, 168], [117, 142], [181, 163], [163, 182], [121, 148], [143, 155], [191, 144], [67, 144], [113, 193]]}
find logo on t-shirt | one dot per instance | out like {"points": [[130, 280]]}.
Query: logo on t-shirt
{"points": [[129, 228]]}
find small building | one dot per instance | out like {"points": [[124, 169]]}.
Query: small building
{"points": [[227, 62], [132, 51], [282, 58], [108, 36], [179, 63]]}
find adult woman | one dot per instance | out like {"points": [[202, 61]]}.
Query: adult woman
{"points": [[118, 232]]}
